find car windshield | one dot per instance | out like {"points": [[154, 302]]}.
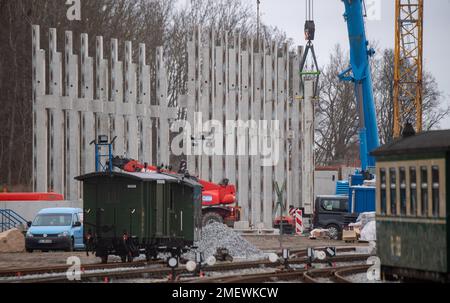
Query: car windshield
{"points": [[53, 220]]}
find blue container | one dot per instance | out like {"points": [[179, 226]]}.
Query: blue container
{"points": [[342, 188], [364, 199], [357, 179]]}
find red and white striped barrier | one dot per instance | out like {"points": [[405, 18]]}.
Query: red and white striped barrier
{"points": [[292, 212], [298, 222]]}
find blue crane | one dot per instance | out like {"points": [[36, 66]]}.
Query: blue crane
{"points": [[359, 73]]}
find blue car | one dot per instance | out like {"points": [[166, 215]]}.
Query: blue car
{"points": [[56, 229]]}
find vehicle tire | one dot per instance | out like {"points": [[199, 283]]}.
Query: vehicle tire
{"points": [[211, 217], [71, 246], [335, 232]]}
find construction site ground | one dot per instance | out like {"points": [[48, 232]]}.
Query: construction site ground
{"points": [[272, 242], [267, 243]]}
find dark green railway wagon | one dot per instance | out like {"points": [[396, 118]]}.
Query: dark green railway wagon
{"points": [[413, 182], [127, 214]]}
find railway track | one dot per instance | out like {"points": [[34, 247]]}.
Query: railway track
{"points": [[341, 275], [143, 270], [306, 276], [303, 252], [23, 272], [137, 273], [257, 278]]}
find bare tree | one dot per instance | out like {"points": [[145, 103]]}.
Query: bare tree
{"points": [[337, 120], [383, 73]]}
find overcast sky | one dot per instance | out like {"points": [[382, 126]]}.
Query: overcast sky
{"points": [[289, 15]]}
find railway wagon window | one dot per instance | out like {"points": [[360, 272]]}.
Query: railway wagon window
{"points": [[383, 191], [424, 186], [393, 178], [413, 190], [402, 191], [435, 174]]}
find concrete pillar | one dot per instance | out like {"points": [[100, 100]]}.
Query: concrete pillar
{"points": [[102, 88], [243, 135], [39, 115], [117, 106], [230, 108], [191, 100], [88, 117], [72, 123], [144, 113], [308, 162], [131, 121], [297, 96], [257, 101], [268, 108], [205, 99], [218, 110], [161, 94], [280, 110], [56, 116]]}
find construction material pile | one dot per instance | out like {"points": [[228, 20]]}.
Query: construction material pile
{"points": [[218, 235], [367, 226], [12, 241]]}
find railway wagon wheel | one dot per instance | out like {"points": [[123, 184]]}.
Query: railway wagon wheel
{"points": [[104, 259], [71, 246], [151, 254]]}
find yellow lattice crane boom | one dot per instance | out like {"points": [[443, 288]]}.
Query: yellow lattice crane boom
{"points": [[408, 65]]}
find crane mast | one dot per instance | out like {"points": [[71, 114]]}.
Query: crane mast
{"points": [[408, 70], [359, 72]]}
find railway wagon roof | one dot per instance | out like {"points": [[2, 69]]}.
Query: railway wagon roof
{"points": [[142, 177], [422, 143]]}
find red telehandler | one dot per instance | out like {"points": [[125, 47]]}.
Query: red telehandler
{"points": [[218, 199]]}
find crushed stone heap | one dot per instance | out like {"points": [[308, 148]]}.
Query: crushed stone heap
{"points": [[217, 235]]}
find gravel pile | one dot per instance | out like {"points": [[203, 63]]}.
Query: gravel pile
{"points": [[218, 235], [361, 278]]}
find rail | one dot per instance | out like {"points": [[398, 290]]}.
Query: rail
{"points": [[10, 219]]}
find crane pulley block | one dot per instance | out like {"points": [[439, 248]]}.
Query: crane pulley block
{"points": [[310, 30]]}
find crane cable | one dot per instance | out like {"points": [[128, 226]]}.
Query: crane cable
{"points": [[310, 26], [308, 65], [309, 10]]}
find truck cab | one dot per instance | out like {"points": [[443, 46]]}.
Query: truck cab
{"points": [[55, 229], [332, 213]]}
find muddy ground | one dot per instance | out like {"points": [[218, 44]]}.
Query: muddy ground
{"points": [[272, 243], [267, 243]]}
